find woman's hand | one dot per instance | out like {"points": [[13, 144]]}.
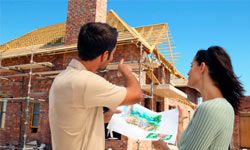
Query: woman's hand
{"points": [[180, 123]]}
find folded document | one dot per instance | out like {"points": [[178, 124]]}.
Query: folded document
{"points": [[140, 123]]}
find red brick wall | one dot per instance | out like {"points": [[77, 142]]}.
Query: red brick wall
{"points": [[11, 130], [101, 11], [167, 76], [130, 53], [162, 74], [117, 144], [19, 88], [244, 107], [191, 93], [81, 12], [147, 102], [40, 89]]}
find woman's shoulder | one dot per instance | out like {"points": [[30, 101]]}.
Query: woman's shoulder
{"points": [[216, 103], [217, 106]]}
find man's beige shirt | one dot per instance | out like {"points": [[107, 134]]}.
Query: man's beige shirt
{"points": [[76, 101]]}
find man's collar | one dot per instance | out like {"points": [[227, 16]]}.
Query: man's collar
{"points": [[77, 65]]}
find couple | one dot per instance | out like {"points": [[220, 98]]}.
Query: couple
{"points": [[78, 95]]}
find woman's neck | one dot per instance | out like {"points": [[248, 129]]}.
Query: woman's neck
{"points": [[210, 92]]}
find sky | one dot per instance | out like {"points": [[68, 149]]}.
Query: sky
{"points": [[194, 24]]}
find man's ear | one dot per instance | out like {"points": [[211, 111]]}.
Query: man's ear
{"points": [[203, 67], [105, 56]]}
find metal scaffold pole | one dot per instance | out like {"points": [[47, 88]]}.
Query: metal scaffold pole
{"points": [[140, 63], [27, 104], [152, 88], [152, 85], [21, 144]]}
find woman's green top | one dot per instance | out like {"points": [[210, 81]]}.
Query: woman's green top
{"points": [[211, 127]]}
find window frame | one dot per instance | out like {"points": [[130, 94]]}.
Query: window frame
{"points": [[34, 114]]}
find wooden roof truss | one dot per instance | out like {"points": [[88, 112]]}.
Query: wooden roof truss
{"points": [[153, 38], [126, 33], [22, 67], [158, 35]]}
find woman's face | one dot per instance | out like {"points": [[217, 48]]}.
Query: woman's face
{"points": [[194, 75]]}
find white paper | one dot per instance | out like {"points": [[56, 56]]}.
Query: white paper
{"points": [[140, 123]]}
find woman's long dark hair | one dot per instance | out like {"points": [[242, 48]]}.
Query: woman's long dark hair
{"points": [[221, 72]]}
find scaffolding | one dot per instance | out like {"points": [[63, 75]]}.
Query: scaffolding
{"points": [[150, 40], [19, 100]]}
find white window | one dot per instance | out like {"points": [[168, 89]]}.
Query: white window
{"points": [[3, 106]]}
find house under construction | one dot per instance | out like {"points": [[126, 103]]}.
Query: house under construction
{"points": [[29, 64]]}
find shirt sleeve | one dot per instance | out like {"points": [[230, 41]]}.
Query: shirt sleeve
{"points": [[202, 130], [100, 92]]}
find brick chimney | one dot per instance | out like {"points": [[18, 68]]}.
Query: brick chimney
{"points": [[81, 12]]}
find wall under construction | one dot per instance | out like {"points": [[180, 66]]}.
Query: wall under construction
{"points": [[17, 86]]}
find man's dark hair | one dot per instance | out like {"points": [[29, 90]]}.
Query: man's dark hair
{"points": [[94, 39]]}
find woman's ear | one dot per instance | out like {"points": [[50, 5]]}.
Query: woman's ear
{"points": [[203, 67]]}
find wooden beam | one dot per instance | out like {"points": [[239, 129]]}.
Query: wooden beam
{"points": [[22, 67], [152, 77], [133, 65]]}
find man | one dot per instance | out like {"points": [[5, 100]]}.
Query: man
{"points": [[78, 94]]}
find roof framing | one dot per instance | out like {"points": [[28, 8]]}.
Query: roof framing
{"points": [[38, 41]]}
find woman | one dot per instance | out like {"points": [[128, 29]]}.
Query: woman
{"points": [[212, 124]]}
